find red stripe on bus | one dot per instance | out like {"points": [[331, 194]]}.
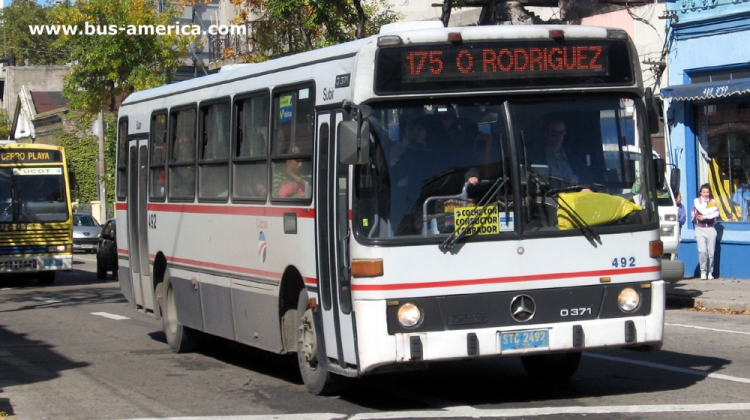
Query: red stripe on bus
{"points": [[496, 280], [232, 210], [234, 269], [121, 206]]}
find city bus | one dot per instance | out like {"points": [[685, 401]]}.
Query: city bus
{"points": [[36, 224], [379, 205]]}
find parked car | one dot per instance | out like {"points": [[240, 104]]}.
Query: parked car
{"points": [[106, 256], [85, 232]]}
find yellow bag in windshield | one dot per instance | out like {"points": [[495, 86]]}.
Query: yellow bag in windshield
{"points": [[592, 208]]}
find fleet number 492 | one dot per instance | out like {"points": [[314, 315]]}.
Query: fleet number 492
{"points": [[620, 262]]}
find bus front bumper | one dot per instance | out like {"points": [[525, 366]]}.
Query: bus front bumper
{"points": [[36, 264], [377, 348]]}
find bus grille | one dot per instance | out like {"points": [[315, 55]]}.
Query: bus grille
{"points": [[29, 249], [32, 241], [17, 264]]}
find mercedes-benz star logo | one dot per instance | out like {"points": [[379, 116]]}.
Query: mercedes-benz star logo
{"points": [[522, 308]]}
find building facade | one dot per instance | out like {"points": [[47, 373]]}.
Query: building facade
{"points": [[707, 100]]}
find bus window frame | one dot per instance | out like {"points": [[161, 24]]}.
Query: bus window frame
{"points": [[152, 197], [260, 161], [173, 164], [203, 142], [277, 158], [121, 186]]}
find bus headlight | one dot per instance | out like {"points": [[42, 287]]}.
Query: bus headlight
{"points": [[628, 300], [59, 248], [670, 218], [409, 315]]}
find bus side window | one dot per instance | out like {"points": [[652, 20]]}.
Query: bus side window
{"points": [[158, 152], [250, 164], [292, 144], [213, 175], [182, 155]]}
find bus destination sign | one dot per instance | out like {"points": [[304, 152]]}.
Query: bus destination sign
{"points": [[492, 63], [30, 156], [502, 65]]}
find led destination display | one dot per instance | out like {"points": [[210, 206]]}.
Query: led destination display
{"points": [[501, 65]]}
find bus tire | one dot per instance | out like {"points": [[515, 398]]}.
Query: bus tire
{"points": [[556, 367], [317, 379], [47, 278], [181, 339], [101, 273]]}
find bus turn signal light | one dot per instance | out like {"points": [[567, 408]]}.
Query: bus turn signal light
{"points": [[367, 268], [656, 249]]}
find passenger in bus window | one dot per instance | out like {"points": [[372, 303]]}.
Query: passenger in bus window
{"points": [[293, 178], [183, 149]]}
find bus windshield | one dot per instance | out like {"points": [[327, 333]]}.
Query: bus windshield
{"points": [[30, 194], [529, 155]]}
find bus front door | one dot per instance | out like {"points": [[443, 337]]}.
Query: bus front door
{"points": [[140, 273], [332, 239]]}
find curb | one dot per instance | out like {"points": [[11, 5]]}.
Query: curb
{"points": [[682, 301]]}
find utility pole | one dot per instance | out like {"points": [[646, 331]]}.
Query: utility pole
{"points": [[102, 169]]}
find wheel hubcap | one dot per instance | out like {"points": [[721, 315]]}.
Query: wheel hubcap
{"points": [[307, 344]]}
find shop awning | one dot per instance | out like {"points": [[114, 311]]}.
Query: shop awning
{"points": [[708, 90]]}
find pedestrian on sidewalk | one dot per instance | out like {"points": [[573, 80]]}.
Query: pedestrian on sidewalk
{"points": [[705, 212]]}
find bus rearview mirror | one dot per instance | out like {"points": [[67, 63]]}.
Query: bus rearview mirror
{"points": [[354, 142]]}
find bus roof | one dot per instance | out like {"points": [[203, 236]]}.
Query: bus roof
{"points": [[409, 34]]}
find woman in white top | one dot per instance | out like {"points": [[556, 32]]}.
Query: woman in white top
{"points": [[705, 214]]}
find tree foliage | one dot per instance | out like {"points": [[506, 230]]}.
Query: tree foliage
{"points": [[4, 124], [109, 65], [285, 27], [82, 151], [28, 49]]}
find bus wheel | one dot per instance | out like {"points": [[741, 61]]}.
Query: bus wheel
{"points": [[180, 338], [47, 278], [317, 379], [101, 273], [551, 367]]}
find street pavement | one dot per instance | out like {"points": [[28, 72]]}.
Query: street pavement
{"points": [[718, 294]]}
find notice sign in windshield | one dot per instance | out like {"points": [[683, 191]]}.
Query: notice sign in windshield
{"points": [[486, 223]]}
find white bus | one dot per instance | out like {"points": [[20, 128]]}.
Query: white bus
{"points": [[673, 270], [321, 203]]}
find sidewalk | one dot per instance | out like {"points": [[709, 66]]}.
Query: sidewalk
{"points": [[730, 293]]}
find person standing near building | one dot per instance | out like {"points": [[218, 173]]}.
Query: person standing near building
{"points": [[705, 214]]}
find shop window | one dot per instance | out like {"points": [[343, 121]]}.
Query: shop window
{"points": [[724, 156]]}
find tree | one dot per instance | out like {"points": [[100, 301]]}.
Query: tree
{"points": [[82, 150], [29, 49], [110, 62], [4, 125], [285, 27]]}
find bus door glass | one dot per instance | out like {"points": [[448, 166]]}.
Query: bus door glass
{"points": [[138, 224], [332, 242]]}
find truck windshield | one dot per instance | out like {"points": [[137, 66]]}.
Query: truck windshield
{"points": [[32, 195], [545, 154]]}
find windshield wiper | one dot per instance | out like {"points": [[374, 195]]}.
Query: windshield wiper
{"points": [[482, 203], [574, 217]]}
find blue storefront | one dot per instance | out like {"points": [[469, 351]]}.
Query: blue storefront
{"points": [[707, 102]]}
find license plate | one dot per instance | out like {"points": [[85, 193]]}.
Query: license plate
{"points": [[87, 246], [524, 339]]}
